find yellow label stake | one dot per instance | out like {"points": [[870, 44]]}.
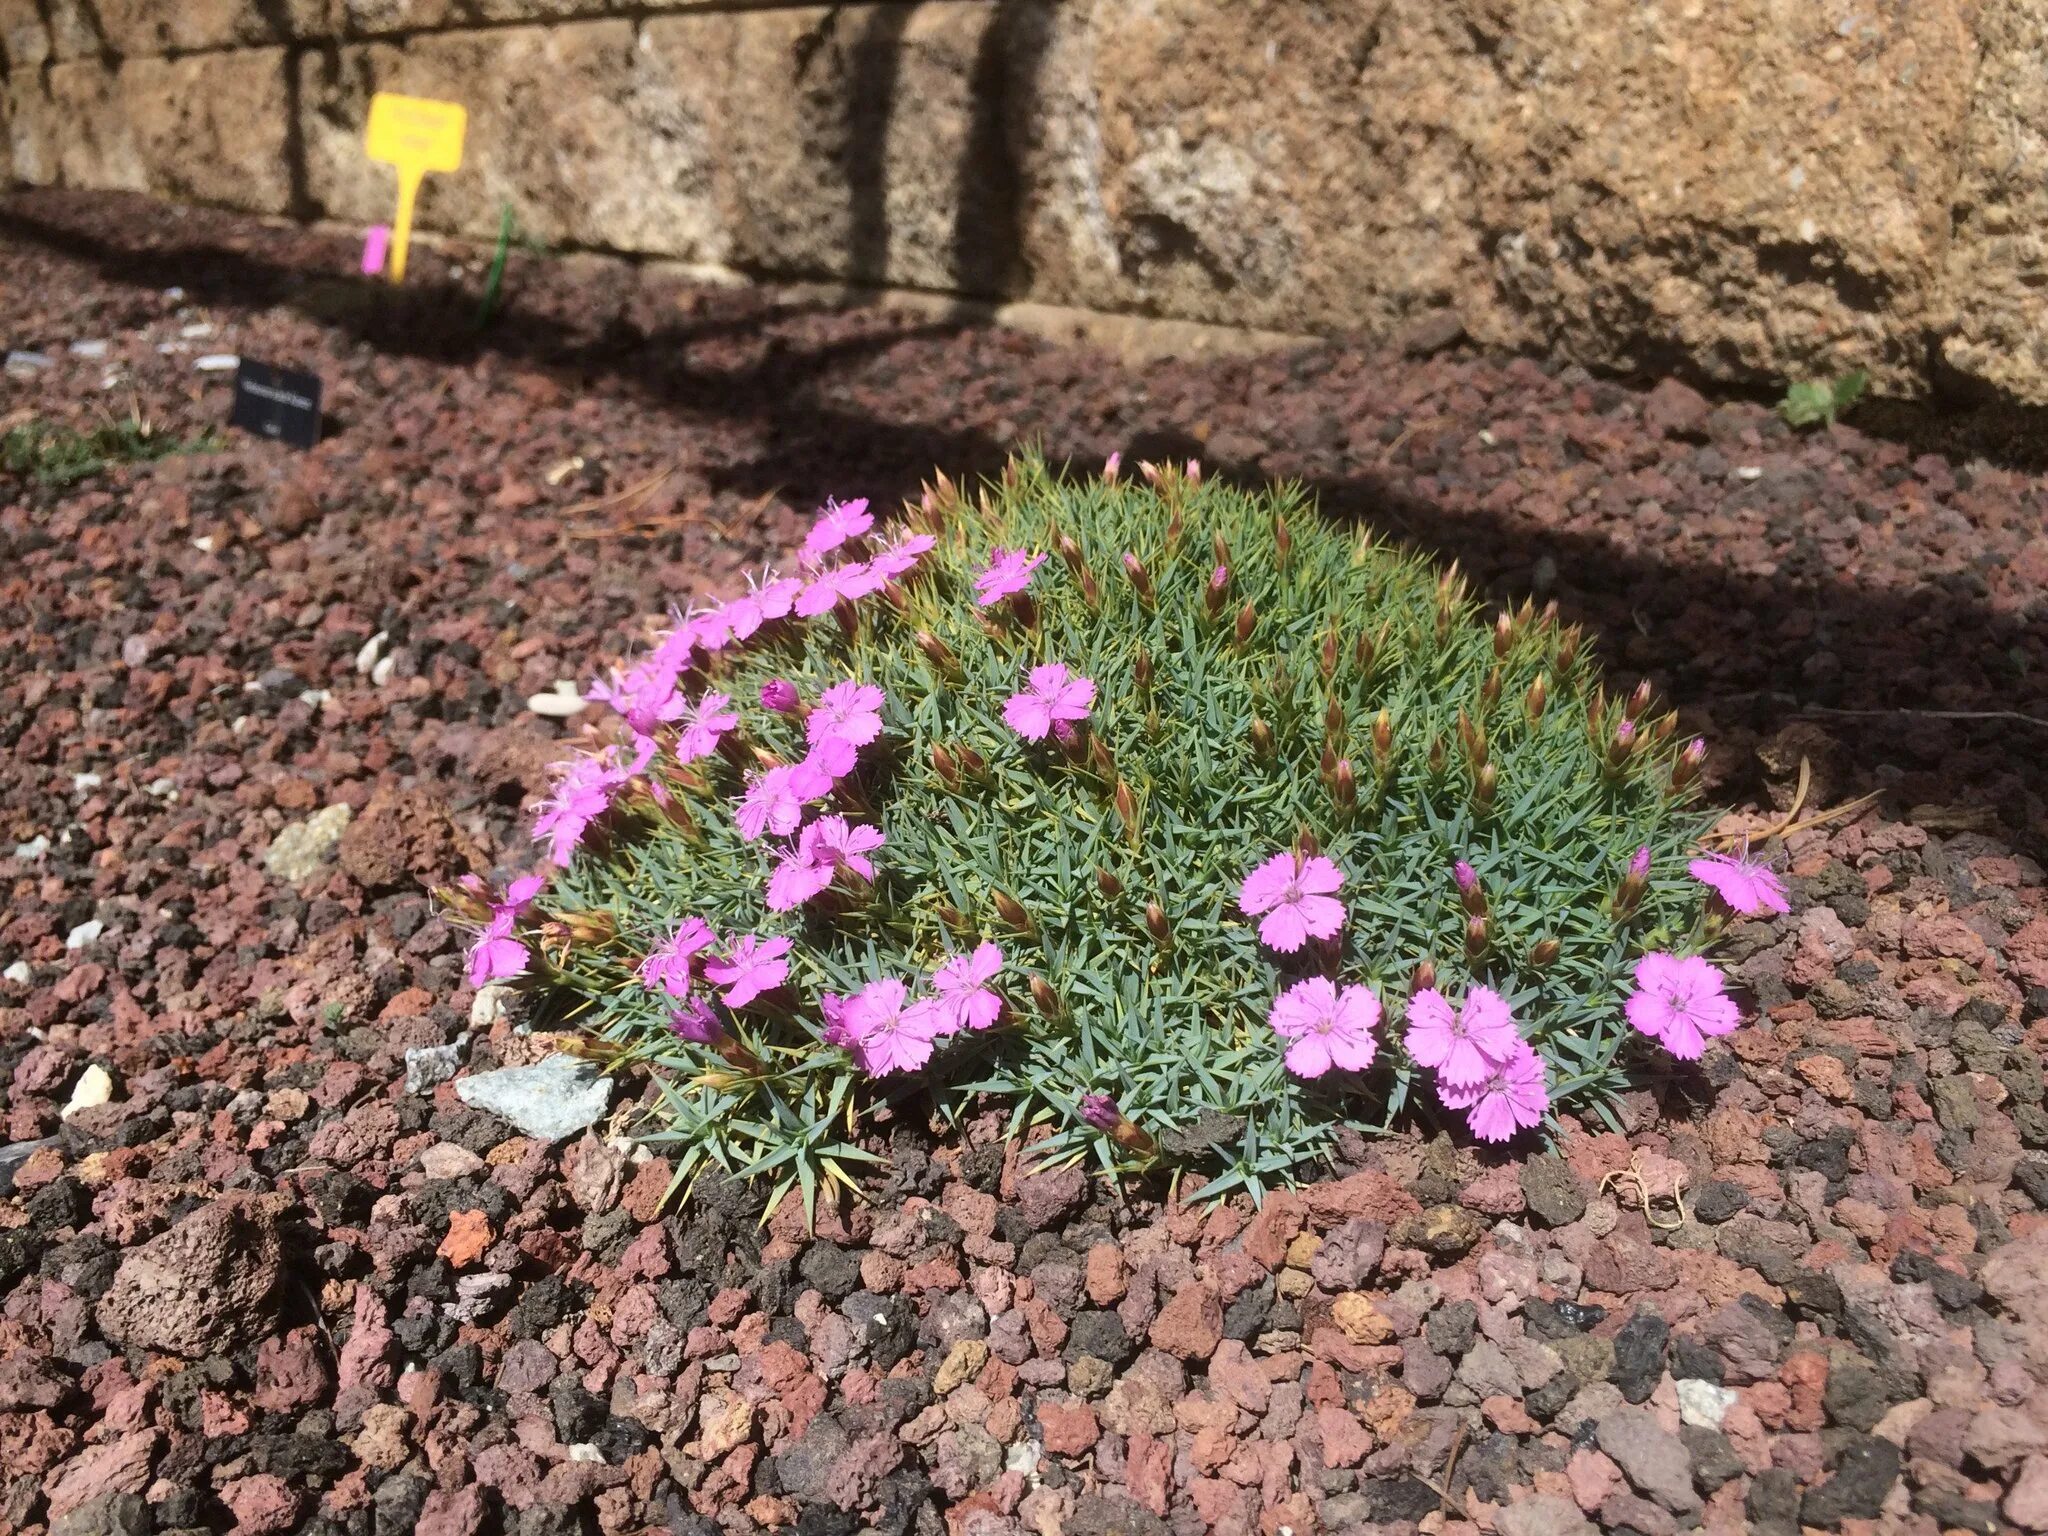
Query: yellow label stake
{"points": [[414, 136]]}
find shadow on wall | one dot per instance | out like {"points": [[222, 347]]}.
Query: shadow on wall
{"points": [[879, 126], [1734, 650]]}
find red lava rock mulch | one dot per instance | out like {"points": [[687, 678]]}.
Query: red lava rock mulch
{"points": [[282, 1278]]}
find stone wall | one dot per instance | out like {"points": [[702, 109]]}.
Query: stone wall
{"points": [[1747, 189]]}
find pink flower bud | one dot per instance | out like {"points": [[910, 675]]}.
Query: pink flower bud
{"points": [[780, 695], [1100, 1111]]}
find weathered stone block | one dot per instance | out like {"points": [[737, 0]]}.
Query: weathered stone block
{"points": [[594, 135], [73, 32], [1760, 186], [365, 19], [24, 35], [213, 127], [866, 143], [1996, 287], [69, 127], [379, 18], [147, 28], [1742, 184], [1281, 165]]}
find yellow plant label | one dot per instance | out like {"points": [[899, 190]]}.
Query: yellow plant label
{"points": [[413, 135]]}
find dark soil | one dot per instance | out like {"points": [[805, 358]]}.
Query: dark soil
{"points": [[264, 1287]]}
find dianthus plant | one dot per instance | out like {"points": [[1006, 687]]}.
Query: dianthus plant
{"points": [[1174, 817]]}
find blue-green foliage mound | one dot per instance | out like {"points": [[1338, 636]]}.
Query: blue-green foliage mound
{"points": [[1265, 684]]}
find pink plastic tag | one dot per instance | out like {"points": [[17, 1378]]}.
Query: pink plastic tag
{"points": [[376, 245]]}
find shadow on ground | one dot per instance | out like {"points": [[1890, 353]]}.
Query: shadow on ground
{"points": [[1892, 671]]}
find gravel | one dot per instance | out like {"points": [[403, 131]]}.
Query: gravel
{"points": [[289, 1274]]}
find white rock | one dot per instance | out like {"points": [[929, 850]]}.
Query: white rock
{"points": [[380, 674], [445, 1160], [564, 702], [299, 850], [218, 362], [32, 850], [161, 788], [85, 933], [26, 365], [1702, 1404], [19, 973], [88, 349], [487, 1007], [587, 1453], [95, 1086], [373, 648], [81, 782], [204, 544]]}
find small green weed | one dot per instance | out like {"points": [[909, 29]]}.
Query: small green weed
{"points": [[1811, 402], [494, 279], [62, 456]]}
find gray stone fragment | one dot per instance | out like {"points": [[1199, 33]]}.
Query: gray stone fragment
{"points": [[429, 1066], [550, 1100]]}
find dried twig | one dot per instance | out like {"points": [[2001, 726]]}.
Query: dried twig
{"points": [[1787, 828], [1928, 714], [1634, 1172], [615, 499]]}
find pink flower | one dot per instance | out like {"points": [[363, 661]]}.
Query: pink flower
{"points": [[849, 711], [775, 800], [668, 966], [833, 758], [777, 596], [645, 694], [1297, 896], [1009, 571], [672, 651], [828, 845], [839, 844], [583, 792], [709, 629], [703, 722], [1326, 1027], [780, 695], [1464, 1046], [837, 522], [1055, 694], [743, 616], [901, 559], [794, 881], [1679, 1001], [1510, 1098], [749, 967], [1748, 888], [851, 582], [965, 1000], [695, 1022], [883, 1033], [496, 954]]}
